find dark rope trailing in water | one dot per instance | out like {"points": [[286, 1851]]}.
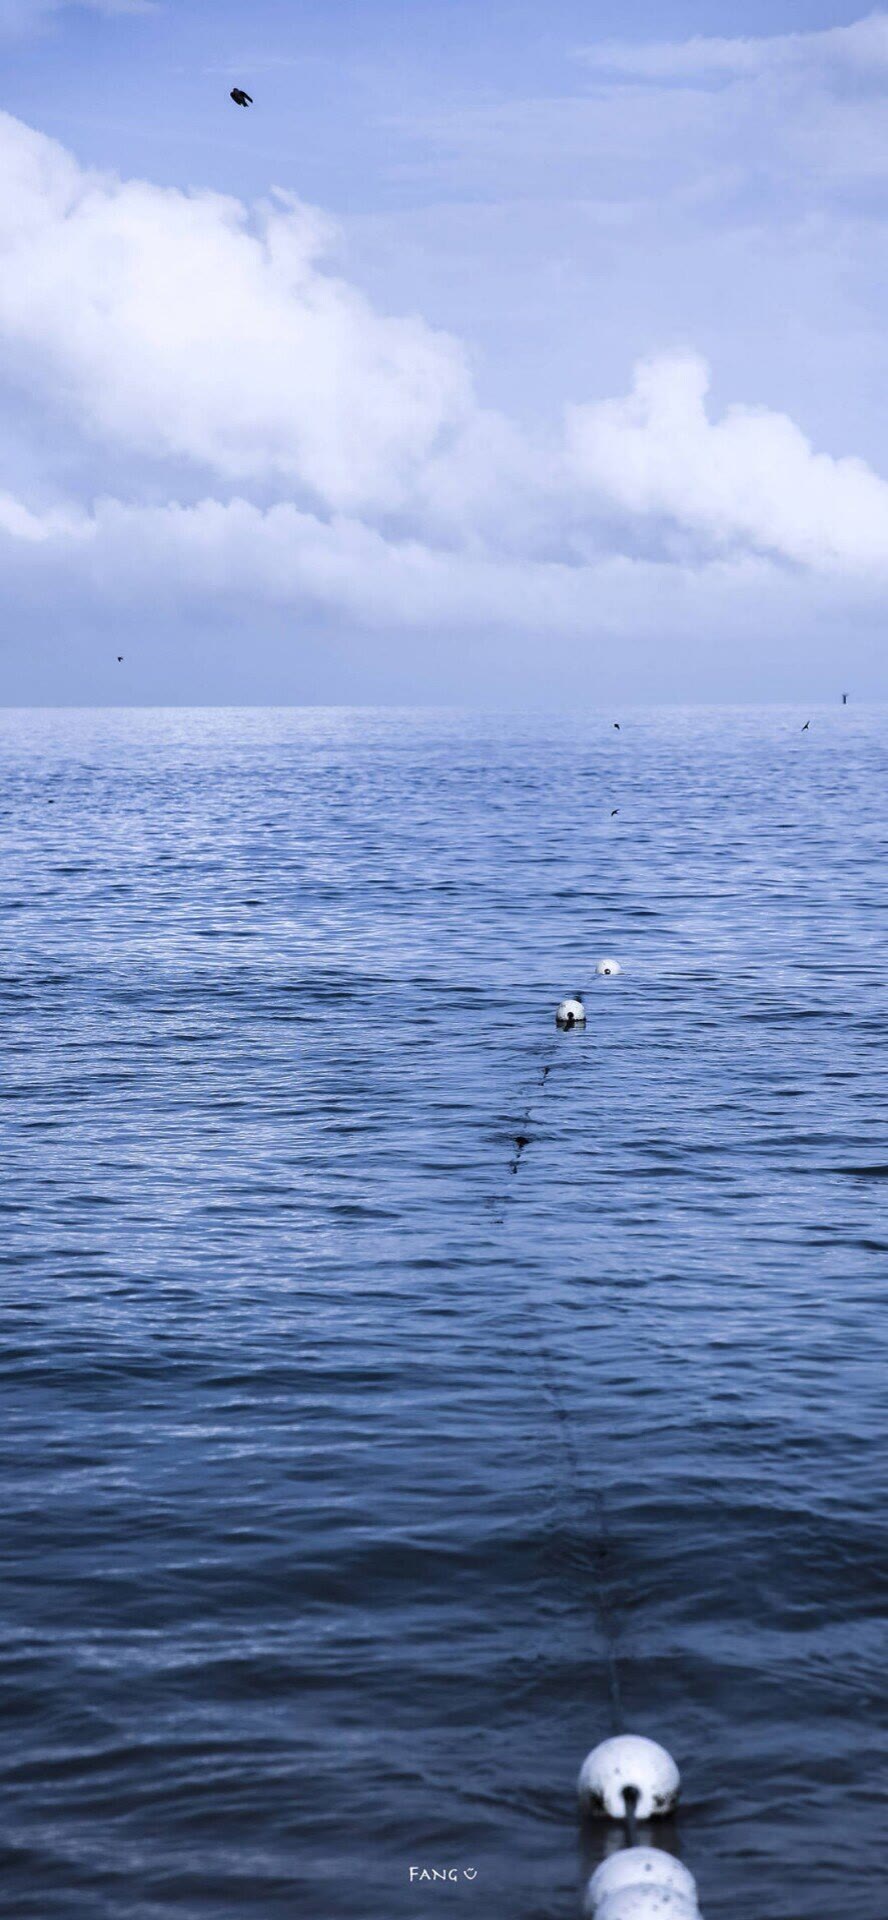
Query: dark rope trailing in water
{"points": [[630, 1802], [522, 1138], [608, 1621]]}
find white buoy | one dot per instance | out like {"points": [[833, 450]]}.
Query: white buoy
{"points": [[608, 966], [643, 1869], [639, 1867], [571, 1013], [629, 1760], [647, 1903]]}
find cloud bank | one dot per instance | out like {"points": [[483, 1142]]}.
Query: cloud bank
{"points": [[286, 444]]}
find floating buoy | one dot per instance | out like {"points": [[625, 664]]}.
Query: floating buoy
{"points": [[642, 1870], [608, 966], [571, 1013], [629, 1765], [647, 1903]]}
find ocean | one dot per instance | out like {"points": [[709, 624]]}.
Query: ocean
{"points": [[350, 1449]]}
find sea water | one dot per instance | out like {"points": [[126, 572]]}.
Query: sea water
{"points": [[348, 1447]]}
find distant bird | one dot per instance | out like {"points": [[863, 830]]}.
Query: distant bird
{"points": [[844, 699], [240, 98], [119, 658], [806, 726], [617, 725], [614, 812]]}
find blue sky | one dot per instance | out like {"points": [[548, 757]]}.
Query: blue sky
{"points": [[504, 353]]}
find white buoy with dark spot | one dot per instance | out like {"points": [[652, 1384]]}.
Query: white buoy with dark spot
{"points": [[608, 967], [570, 1013], [647, 1903], [647, 1874], [629, 1777]]}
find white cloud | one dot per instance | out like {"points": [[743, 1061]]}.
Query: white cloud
{"points": [[750, 479], [779, 124], [178, 324], [240, 555], [17, 16], [335, 460], [861, 48]]}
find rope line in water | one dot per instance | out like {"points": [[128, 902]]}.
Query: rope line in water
{"points": [[608, 1624], [648, 1874], [522, 1139]]}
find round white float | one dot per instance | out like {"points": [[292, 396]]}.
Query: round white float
{"points": [[647, 1903], [570, 1013], [608, 966], [640, 1867], [629, 1760]]}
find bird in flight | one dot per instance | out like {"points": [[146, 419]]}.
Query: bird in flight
{"points": [[617, 725], [240, 98], [806, 726], [119, 658], [614, 812]]}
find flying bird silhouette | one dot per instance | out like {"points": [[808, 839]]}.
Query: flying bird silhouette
{"points": [[240, 98], [614, 812], [119, 658], [617, 725], [806, 726]]}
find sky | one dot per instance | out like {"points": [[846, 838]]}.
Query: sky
{"points": [[499, 354]]}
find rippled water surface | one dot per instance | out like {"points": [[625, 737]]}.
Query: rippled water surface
{"points": [[340, 1460]]}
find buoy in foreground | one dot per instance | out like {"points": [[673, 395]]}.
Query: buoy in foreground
{"points": [[608, 966], [571, 1013], [629, 1773], [647, 1903], [642, 1870]]}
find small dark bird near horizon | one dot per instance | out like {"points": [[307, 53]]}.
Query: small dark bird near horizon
{"points": [[617, 725], [119, 658], [614, 812], [844, 699], [240, 98], [806, 726]]}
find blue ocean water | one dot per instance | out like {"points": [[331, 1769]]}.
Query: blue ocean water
{"points": [[347, 1447]]}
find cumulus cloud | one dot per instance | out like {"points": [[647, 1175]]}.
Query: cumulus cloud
{"points": [[750, 479], [180, 324], [330, 458]]}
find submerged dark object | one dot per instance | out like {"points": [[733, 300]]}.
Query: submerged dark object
{"points": [[240, 98]]}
